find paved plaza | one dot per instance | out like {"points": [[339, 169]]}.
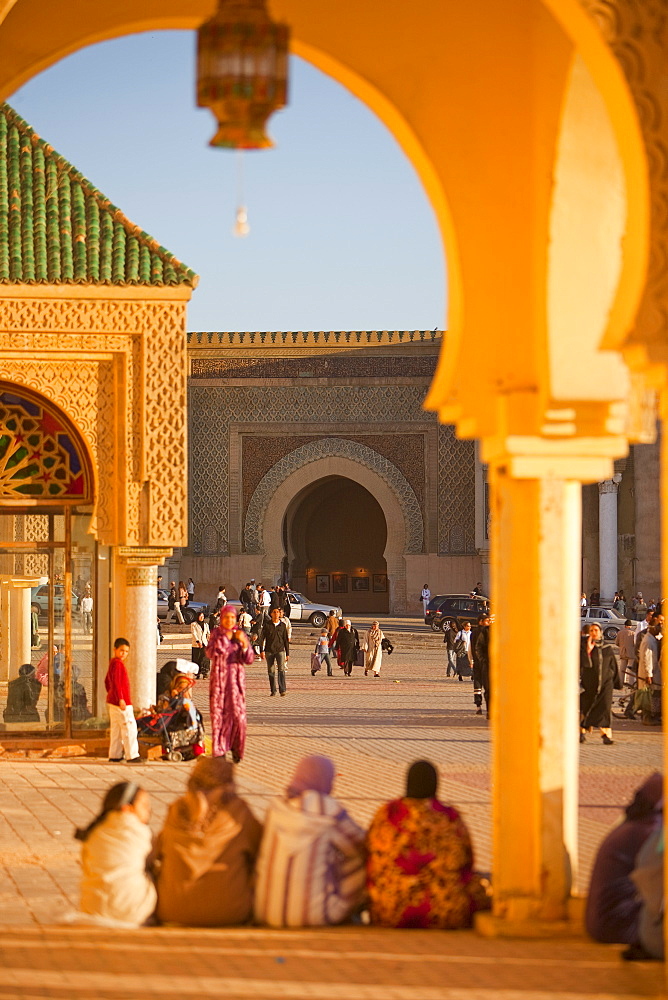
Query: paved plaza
{"points": [[372, 729]]}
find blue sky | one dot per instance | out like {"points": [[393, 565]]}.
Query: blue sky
{"points": [[342, 235]]}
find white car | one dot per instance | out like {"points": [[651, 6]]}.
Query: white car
{"points": [[609, 621], [39, 600], [301, 610]]}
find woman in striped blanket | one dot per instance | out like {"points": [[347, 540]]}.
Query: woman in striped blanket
{"points": [[311, 868]]}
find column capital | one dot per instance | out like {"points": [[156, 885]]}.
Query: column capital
{"points": [[22, 582], [610, 485], [583, 459], [142, 555]]}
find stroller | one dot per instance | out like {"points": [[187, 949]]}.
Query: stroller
{"points": [[175, 723]]}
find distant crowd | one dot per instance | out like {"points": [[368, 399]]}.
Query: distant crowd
{"points": [[636, 609]]}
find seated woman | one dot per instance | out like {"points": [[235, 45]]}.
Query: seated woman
{"points": [[22, 696], [115, 887], [420, 863], [207, 850], [613, 903], [648, 878], [310, 872]]}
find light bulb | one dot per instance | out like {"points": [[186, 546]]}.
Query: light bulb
{"points": [[241, 227]]}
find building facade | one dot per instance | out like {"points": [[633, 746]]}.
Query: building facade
{"points": [[313, 460], [92, 438]]}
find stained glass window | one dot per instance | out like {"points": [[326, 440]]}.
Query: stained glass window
{"points": [[42, 457]]}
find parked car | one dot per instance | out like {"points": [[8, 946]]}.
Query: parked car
{"points": [[189, 613], [609, 621], [39, 600], [460, 607], [301, 610]]}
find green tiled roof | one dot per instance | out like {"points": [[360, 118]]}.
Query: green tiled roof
{"points": [[56, 228]]}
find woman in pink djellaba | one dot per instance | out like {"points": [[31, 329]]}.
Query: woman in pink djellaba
{"points": [[228, 650]]}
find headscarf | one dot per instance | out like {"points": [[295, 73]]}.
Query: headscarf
{"points": [[228, 607], [312, 773], [647, 799], [210, 773], [181, 684], [169, 670], [421, 780], [122, 794], [374, 636]]}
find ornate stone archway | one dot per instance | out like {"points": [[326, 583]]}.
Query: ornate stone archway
{"points": [[336, 457], [325, 448]]}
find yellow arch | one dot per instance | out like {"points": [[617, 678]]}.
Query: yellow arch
{"points": [[474, 94]]}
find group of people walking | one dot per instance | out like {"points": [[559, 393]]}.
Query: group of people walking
{"points": [[638, 646], [308, 864], [467, 651], [341, 639]]}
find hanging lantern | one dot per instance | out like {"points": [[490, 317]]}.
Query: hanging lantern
{"points": [[242, 71]]}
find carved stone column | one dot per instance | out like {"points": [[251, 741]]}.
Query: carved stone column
{"points": [[535, 576], [15, 632], [607, 537], [134, 599]]}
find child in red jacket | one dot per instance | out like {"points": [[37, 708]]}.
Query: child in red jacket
{"points": [[123, 728]]}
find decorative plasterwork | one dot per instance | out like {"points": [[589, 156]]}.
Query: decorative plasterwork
{"points": [[456, 493], [117, 368], [637, 32], [84, 390], [333, 448], [213, 410]]}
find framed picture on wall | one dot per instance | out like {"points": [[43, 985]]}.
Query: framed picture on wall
{"points": [[360, 583], [322, 583], [339, 583], [380, 583]]}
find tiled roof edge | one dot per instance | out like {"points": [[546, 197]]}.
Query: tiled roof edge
{"points": [[188, 276]]}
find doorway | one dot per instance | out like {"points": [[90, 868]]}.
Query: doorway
{"points": [[335, 534]]}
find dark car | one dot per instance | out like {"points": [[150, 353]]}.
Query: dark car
{"points": [[456, 607]]}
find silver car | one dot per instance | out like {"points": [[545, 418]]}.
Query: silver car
{"points": [[610, 623], [302, 610]]}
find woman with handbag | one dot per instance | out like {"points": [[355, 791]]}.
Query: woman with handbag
{"points": [[374, 650], [200, 639], [463, 651], [599, 674]]}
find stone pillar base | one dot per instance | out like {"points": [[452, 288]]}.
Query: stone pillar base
{"points": [[522, 920]]}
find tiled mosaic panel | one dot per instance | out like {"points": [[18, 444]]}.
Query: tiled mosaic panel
{"points": [[213, 410]]}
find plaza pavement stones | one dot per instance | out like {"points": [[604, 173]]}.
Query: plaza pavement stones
{"points": [[349, 963], [372, 729]]}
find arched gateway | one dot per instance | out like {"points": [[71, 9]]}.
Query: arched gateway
{"points": [[278, 491], [280, 414]]}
